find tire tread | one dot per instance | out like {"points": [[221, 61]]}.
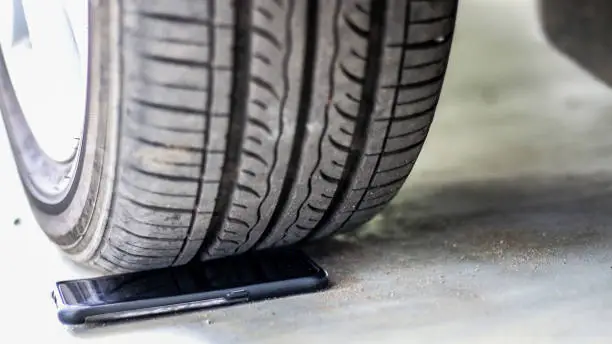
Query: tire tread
{"points": [[281, 122]]}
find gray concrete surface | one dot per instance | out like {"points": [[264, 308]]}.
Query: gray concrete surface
{"points": [[502, 235]]}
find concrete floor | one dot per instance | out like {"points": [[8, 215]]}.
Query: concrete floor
{"points": [[503, 231]]}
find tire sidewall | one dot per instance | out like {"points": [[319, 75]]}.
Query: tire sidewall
{"points": [[79, 226]]}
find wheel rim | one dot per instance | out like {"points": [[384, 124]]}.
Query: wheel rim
{"points": [[45, 48]]}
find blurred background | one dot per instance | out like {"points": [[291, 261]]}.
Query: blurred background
{"points": [[502, 230]]}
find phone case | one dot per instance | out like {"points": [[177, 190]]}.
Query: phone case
{"points": [[78, 315]]}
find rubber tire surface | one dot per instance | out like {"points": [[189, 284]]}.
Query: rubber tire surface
{"points": [[255, 126]]}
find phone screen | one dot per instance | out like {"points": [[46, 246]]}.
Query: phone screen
{"points": [[226, 273]]}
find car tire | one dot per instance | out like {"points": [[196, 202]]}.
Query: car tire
{"points": [[216, 127]]}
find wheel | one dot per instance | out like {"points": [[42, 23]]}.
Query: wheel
{"points": [[215, 127]]}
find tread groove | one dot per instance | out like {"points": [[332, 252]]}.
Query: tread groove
{"points": [[255, 156], [163, 127], [108, 261], [179, 110], [412, 132], [238, 109], [336, 163], [129, 266], [324, 195], [396, 167], [424, 64], [416, 85], [281, 118], [338, 145], [231, 241], [328, 178], [383, 195], [431, 20], [394, 181], [345, 131], [167, 249], [238, 222], [303, 110], [248, 189], [249, 172], [263, 58], [255, 139], [402, 150], [410, 116], [357, 55], [174, 18], [345, 114], [170, 177], [142, 36], [302, 228], [174, 60], [354, 78], [155, 207], [375, 38], [352, 98], [144, 141], [258, 123], [370, 207], [315, 209], [362, 9], [266, 35], [140, 188], [353, 26], [137, 255], [157, 224], [265, 12], [421, 45], [238, 205], [143, 237], [420, 99], [326, 113], [179, 164], [260, 104], [265, 85], [174, 86]]}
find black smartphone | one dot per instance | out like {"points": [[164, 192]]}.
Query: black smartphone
{"points": [[226, 281]]}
